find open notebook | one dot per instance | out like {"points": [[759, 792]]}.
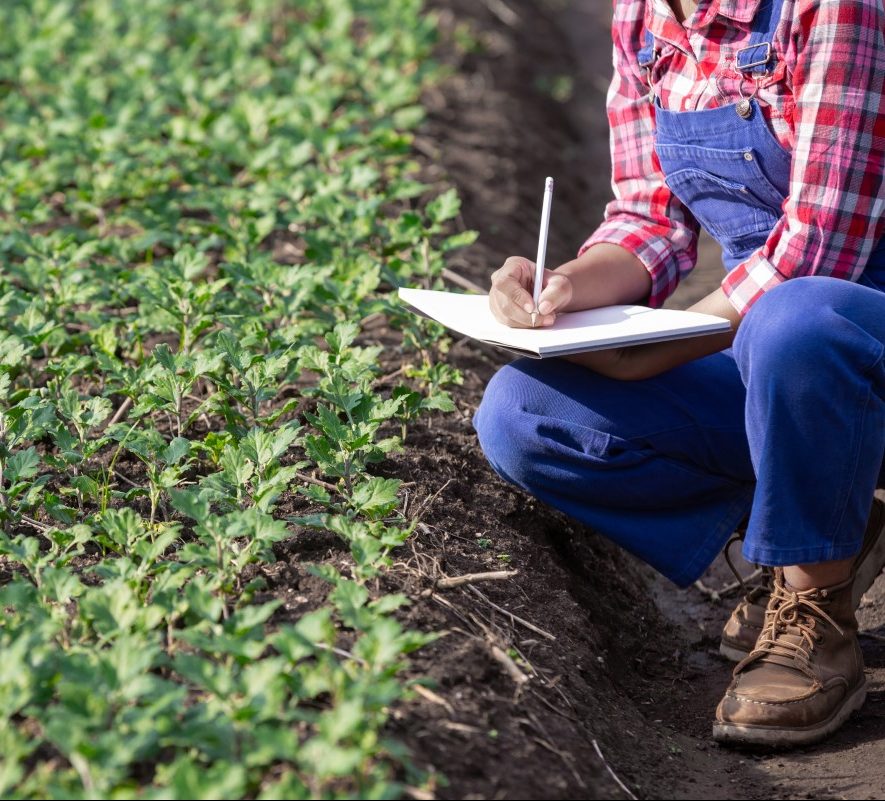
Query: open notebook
{"points": [[573, 332]]}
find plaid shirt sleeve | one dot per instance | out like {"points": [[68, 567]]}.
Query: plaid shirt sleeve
{"points": [[833, 215], [645, 217]]}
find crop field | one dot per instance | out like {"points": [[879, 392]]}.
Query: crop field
{"points": [[204, 208], [249, 545]]}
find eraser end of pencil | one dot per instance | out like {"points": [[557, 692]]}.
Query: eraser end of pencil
{"points": [[534, 317], [548, 184]]}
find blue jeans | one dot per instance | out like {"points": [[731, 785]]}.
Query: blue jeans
{"points": [[790, 423]]}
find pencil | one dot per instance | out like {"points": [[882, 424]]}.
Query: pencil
{"points": [[542, 245]]}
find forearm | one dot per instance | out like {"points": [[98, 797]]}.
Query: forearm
{"points": [[644, 361], [605, 275]]}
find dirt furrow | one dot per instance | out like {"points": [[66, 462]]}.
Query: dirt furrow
{"points": [[525, 102]]}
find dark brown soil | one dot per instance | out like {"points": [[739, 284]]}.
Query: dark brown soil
{"points": [[624, 674]]}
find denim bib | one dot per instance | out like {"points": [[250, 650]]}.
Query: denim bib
{"points": [[726, 165]]}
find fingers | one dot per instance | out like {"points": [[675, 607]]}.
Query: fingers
{"points": [[509, 312], [516, 276], [510, 297], [556, 295]]}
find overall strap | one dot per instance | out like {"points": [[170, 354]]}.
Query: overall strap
{"points": [[646, 55], [758, 57]]}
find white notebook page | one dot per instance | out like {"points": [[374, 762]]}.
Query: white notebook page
{"points": [[571, 333]]}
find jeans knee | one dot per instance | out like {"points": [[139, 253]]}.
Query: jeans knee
{"points": [[789, 328], [499, 422]]}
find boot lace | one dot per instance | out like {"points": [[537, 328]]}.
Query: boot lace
{"points": [[796, 613], [753, 587]]}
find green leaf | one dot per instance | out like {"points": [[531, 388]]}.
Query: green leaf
{"points": [[123, 527], [408, 117], [202, 600], [248, 618], [178, 448], [60, 585], [315, 493], [350, 599], [389, 603], [190, 504], [22, 464], [342, 336], [300, 641], [444, 207], [460, 240], [164, 357], [187, 778], [320, 757], [375, 497], [288, 786]]}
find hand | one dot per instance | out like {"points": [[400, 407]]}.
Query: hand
{"points": [[510, 297]]}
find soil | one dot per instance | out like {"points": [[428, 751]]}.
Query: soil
{"points": [[585, 675]]}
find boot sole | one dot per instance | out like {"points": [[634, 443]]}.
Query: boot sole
{"points": [[737, 734]]}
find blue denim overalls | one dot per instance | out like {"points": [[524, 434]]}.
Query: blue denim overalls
{"points": [[790, 421], [726, 165]]}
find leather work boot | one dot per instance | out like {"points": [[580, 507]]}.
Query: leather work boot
{"points": [[743, 628], [805, 676]]}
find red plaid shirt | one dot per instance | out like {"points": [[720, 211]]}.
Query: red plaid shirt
{"points": [[824, 101]]}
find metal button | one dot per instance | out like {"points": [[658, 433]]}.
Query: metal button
{"points": [[748, 156]]}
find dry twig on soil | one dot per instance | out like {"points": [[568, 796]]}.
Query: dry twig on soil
{"points": [[463, 728], [546, 741], [118, 415], [552, 708], [311, 480], [726, 589], [418, 794], [513, 618], [428, 501], [448, 582], [503, 12], [35, 523], [511, 668], [371, 320], [429, 695], [611, 772], [126, 480]]}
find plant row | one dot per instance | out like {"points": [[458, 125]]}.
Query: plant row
{"points": [[203, 208]]}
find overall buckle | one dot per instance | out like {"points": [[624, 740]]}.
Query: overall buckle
{"points": [[759, 62]]}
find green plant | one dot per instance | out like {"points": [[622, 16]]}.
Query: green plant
{"points": [[200, 204]]}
